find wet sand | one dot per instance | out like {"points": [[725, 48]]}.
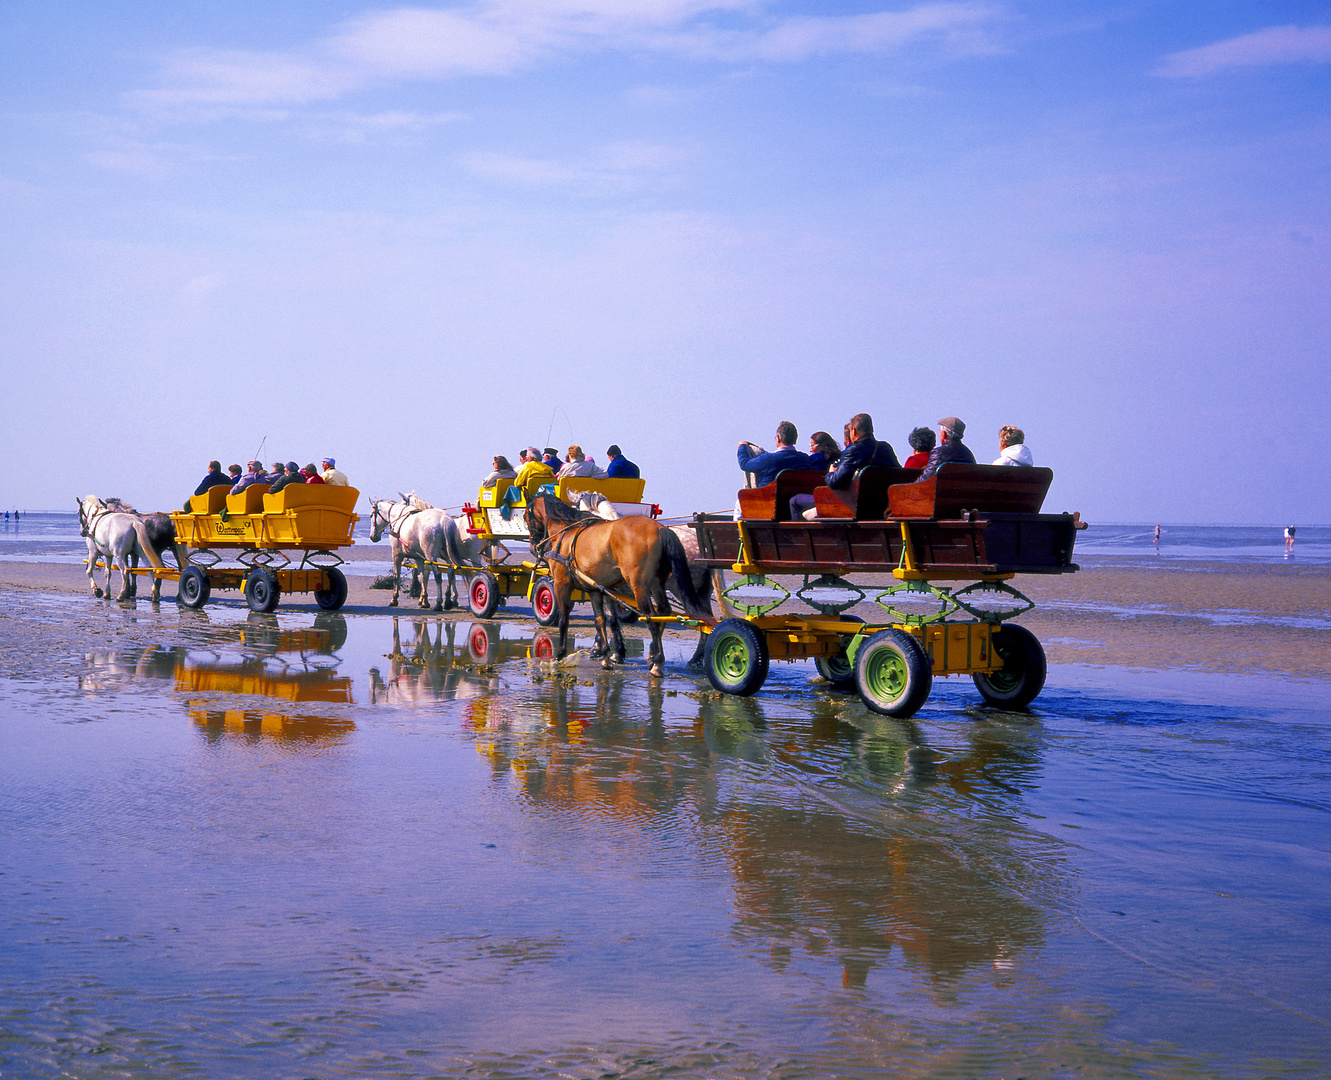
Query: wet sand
{"points": [[312, 844], [1205, 617]]}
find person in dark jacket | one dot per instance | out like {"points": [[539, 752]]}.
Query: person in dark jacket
{"points": [[290, 476], [785, 456], [864, 450], [618, 467], [949, 448], [823, 451], [215, 478]]}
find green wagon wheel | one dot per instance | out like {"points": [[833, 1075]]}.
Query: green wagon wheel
{"points": [[194, 588], [261, 591], [544, 602], [836, 670], [333, 597], [1023, 673], [483, 594], [736, 658], [892, 674]]}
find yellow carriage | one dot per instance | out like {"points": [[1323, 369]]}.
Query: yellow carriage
{"points": [[314, 519], [498, 515]]}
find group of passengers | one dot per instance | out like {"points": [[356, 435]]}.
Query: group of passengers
{"points": [[862, 449], [279, 476], [539, 467]]}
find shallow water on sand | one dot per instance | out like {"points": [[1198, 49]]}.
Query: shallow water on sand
{"points": [[310, 845]]}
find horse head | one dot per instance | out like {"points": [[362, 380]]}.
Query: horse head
{"points": [[378, 520], [88, 507]]}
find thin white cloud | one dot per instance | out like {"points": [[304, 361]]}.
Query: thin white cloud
{"points": [[613, 169], [501, 37], [1274, 45]]}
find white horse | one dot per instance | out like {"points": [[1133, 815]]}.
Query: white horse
{"points": [[421, 533], [116, 536]]}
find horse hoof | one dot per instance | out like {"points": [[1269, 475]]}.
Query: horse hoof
{"points": [[657, 671], [607, 665], [393, 602], [97, 593]]}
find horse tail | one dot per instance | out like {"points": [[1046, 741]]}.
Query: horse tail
{"points": [[145, 546], [453, 542], [695, 606]]}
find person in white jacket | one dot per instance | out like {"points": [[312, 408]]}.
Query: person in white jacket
{"points": [[1012, 447]]}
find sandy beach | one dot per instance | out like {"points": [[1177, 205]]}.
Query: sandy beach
{"points": [[1212, 617]]}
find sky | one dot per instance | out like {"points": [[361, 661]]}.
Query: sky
{"points": [[412, 238]]}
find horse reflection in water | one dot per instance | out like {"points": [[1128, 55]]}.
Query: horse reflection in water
{"points": [[434, 666], [846, 843]]}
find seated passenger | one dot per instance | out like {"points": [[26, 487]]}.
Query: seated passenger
{"points": [[949, 448], [823, 451], [254, 474], [311, 474], [578, 465], [551, 457], [921, 441], [215, 478], [534, 472], [502, 471], [290, 475], [864, 450], [331, 475], [274, 474], [235, 472], [1012, 447], [766, 465], [618, 467]]}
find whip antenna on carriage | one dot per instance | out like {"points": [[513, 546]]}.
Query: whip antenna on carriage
{"points": [[259, 451], [551, 429]]}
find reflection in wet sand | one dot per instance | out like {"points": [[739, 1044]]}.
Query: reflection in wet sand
{"points": [[253, 724]]}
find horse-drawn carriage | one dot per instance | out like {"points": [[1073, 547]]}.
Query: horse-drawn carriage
{"points": [[944, 551], [499, 515], [313, 519]]}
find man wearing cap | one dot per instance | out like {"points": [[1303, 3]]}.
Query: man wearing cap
{"points": [[331, 476], [618, 467], [949, 448], [254, 474], [291, 475]]}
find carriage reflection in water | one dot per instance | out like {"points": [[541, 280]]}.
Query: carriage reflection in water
{"points": [[498, 516], [950, 544], [265, 530]]}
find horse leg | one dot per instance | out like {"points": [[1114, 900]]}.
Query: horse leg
{"points": [[602, 628], [451, 599], [122, 563], [563, 587], [93, 559], [397, 574]]}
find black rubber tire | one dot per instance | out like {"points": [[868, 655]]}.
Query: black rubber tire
{"points": [[479, 644], [194, 588], [1024, 669], [836, 670], [261, 591], [892, 674], [736, 659], [544, 602], [333, 597], [483, 594]]}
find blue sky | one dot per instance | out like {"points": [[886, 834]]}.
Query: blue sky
{"points": [[413, 237]]}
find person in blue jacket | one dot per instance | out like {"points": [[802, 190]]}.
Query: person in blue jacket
{"points": [[766, 465], [215, 478], [618, 467]]}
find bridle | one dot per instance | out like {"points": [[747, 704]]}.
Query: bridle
{"points": [[377, 516]]}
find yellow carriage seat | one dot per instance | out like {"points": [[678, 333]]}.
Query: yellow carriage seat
{"points": [[616, 489], [210, 502], [249, 501]]}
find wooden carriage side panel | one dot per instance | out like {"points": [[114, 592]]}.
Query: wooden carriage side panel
{"points": [[956, 489], [771, 502]]}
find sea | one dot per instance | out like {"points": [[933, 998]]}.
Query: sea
{"points": [[55, 538], [360, 844]]}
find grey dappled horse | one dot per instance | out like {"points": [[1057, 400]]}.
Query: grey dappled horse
{"points": [[117, 536], [422, 533]]}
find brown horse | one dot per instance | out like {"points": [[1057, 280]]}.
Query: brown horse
{"points": [[629, 560]]}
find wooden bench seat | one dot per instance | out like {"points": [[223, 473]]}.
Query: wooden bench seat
{"points": [[957, 489], [249, 501], [771, 502], [865, 498]]}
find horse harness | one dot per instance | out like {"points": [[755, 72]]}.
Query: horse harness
{"points": [[569, 562]]}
